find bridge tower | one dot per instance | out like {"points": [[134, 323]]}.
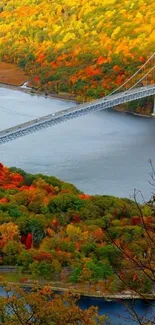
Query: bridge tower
{"points": [[153, 114]]}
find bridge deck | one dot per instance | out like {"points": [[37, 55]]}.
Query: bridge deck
{"points": [[78, 110]]}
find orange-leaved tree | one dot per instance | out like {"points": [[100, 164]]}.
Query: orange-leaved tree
{"points": [[40, 306]]}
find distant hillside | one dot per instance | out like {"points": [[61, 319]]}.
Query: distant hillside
{"points": [[82, 47]]}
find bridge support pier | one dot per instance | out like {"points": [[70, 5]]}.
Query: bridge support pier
{"points": [[153, 114]]}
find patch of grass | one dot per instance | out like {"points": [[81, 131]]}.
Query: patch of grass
{"points": [[15, 277]]}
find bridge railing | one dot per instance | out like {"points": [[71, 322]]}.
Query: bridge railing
{"points": [[46, 121]]}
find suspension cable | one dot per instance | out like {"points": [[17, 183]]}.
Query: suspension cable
{"points": [[152, 56], [141, 78]]}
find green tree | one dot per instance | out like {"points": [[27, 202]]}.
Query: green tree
{"points": [[110, 252], [42, 270], [99, 270], [75, 275], [11, 252], [24, 259], [64, 202], [36, 228]]}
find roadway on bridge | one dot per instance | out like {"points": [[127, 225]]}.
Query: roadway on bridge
{"points": [[78, 110]]}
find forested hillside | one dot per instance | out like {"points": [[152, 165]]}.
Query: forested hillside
{"points": [[52, 231], [80, 47]]}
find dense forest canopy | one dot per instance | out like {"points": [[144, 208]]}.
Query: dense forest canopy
{"points": [[81, 47], [52, 231]]}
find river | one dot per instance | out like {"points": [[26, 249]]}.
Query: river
{"points": [[101, 153], [117, 312]]}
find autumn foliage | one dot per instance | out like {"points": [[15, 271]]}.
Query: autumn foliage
{"points": [[54, 232], [41, 306], [84, 48]]}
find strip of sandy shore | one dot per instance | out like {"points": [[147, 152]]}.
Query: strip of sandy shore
{"points": [[10, 74], [12, 77]]}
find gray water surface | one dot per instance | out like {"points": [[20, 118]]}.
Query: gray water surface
{"points": [[101, 153]]}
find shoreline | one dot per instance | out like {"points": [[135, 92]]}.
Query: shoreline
{"points": [[70, 98], [13, 77], [58, 286], [32, 91], [132, 113], [96, 295]]}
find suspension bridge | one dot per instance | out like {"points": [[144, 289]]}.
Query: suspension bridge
{"points": [[140, 85]]}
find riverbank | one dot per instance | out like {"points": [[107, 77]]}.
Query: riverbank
{"points": [[131, 113], [14, 277], [12, 77], [33, 91], [85, 292], [63, 97]]}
